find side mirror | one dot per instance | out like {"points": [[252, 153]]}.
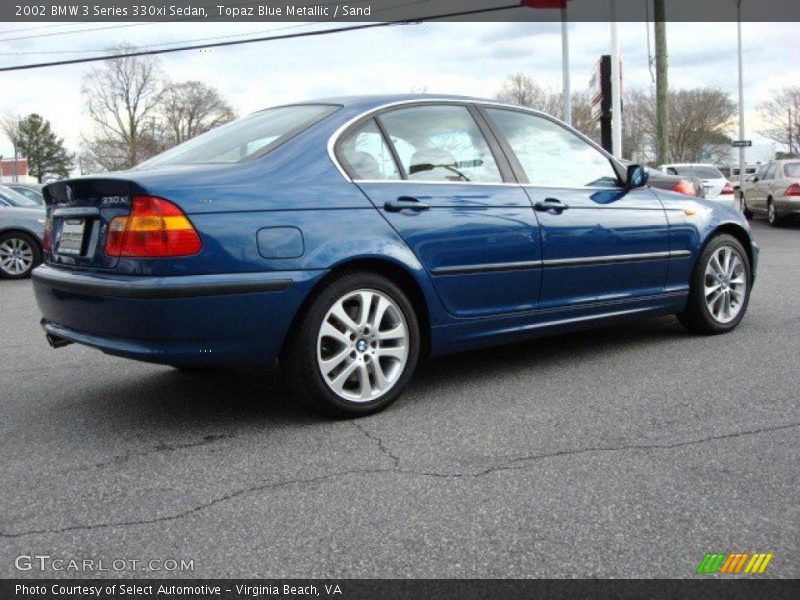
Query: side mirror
{"points": [[637, 177], [755, 179]]}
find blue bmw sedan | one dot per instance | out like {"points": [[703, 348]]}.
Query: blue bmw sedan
{"points": [[347, 238]]}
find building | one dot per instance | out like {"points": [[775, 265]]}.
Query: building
{"points": [[8, 171]]}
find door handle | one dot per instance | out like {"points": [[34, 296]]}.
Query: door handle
{"points": [[405, 203], [551, 204]]}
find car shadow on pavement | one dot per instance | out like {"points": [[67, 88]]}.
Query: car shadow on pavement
{"points": [[198, 399]]}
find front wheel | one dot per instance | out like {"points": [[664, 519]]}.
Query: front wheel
{"points": [[720, 288], [356, 347], [772, 214], [748, 214]]}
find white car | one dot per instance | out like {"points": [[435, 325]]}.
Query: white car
{"points": [[716, 186]]}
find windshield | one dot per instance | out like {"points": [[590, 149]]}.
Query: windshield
{"points": [[252, 135], [15, 198], [792, 169], [697, 171]]}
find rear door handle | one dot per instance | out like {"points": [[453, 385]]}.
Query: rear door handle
{"points": [[405, 203], [551, 204]]}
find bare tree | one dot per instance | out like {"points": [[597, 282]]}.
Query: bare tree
{"points": [[582, 119], [782, 115], [191, 108], [122, 99], [523, 90]]}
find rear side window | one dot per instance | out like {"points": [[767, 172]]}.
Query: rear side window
{"points": [[244, 138], [791, 169], [699, 172], [366, 156], [770, 174], [440, 143], [550, 154]]}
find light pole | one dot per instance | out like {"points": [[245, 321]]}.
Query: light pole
{"points": [[741, 96]]}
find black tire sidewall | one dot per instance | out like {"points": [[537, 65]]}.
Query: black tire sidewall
{"points": [[35, 247], [305, 352], [698, 284]]}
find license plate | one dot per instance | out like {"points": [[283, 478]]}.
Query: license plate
{"points": [[71, 241]]}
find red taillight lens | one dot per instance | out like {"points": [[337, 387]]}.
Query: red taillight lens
{"points": [[793, 190], [48, 233], [685, 187], [156, 228], [728, 189]]}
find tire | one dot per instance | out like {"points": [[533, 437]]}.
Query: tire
{"points": [[20, 253], [772, 214], [748, 214], [705, 312], [344, 367]]}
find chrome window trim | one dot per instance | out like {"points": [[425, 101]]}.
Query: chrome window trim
{"points": [[463, 102]]}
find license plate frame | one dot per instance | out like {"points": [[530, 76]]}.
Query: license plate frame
{"points": [[73, 232]]}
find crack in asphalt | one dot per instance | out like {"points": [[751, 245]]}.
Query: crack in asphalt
{"points": [[381, 445], [512, 464]]}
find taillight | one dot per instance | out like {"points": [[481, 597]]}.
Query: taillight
{"points": [[48, 233], [728, 189], [155, 228], [685, 187], [793, 190]]}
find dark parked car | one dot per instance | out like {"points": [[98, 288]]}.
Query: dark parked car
{"points": [[32, 191], [349, 237], [21, 233]]}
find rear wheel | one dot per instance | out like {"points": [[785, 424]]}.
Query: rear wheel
{"points": [[772, 214], [356, 347], [720, 288], [19, 254]]}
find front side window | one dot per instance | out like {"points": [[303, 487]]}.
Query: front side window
{"points": [[440, 143], [771, 171], [550, 154], [366, 156], [243, 138]]}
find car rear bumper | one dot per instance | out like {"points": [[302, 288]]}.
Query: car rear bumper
{"points": [[231, 320], [788, 206]]}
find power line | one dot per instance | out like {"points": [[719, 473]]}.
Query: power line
{"points": [[315, 33]]}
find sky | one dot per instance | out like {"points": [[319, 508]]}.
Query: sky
{"points": [[454, 58]]}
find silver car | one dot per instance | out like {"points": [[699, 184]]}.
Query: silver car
{"points": [[773, 191], [21, 234]]}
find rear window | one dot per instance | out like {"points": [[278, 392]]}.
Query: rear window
{"points": [[244, 138], [699, 172], [791, 169]]}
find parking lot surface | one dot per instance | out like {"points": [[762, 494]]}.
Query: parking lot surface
{"points": [[618, 452]]}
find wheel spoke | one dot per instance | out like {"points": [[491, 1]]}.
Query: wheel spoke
{"points": [[395, 333], [365, 386], [380, 311], [398, 352], [329, 331], [338, 382], [340, 313], [329, 364]]}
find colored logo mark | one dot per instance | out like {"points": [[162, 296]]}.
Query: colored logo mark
{"points": [[734, 563]]}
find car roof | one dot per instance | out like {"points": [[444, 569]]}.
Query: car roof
{"points": [[367, 102]]}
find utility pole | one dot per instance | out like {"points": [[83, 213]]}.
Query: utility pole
{"points": [[565, 66], [741, 95], [616, 84], [662, 83]]}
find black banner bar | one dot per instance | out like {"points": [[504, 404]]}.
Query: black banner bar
{"points": [[393, 589], [338, 11]]}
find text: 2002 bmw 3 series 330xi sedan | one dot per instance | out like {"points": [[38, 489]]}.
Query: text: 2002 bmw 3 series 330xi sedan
{"points": [[349, 237]]}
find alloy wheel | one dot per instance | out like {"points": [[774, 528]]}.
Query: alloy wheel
{"points": [[16, 256], [362, 345], [772, 216], [725, 284]]}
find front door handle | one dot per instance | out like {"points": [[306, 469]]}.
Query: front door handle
{"points": [[551, 204], [405, 203]]}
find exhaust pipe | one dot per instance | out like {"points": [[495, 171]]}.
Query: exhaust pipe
{"points": [[57, 342]]}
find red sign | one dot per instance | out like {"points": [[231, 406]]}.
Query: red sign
{"points": [[544, 3]]}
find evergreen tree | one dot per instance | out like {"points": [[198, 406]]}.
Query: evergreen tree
{"points": [[47, 157]]}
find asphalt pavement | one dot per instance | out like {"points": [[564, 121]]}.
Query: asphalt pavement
{"points": [[619, 452]]}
